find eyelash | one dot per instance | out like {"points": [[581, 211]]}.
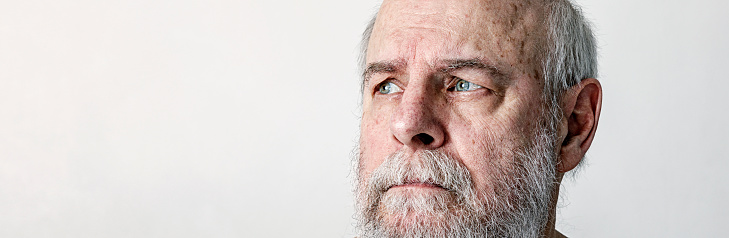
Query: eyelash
{"points": [[455, 81]]}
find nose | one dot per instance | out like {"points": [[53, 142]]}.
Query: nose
{"points": [[415, 123]]}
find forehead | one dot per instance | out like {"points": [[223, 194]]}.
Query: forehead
{"points": [[499, 31]]}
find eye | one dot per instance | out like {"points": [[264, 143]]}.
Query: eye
{"points": [[463, 85], [388, 88]]}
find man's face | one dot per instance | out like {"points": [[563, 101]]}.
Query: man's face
{"points": [[451, 86]]}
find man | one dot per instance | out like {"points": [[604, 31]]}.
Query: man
{"points": [[473, 111]]}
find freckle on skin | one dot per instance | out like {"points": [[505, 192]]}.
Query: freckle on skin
{"points": [[521, 48]]}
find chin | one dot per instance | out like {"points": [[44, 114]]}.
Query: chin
{"points": [[416, 208]]}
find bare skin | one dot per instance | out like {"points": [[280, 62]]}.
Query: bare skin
{"points": [[413, 50]]}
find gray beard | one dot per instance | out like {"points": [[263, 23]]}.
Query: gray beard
{"points": [[517, 204]]}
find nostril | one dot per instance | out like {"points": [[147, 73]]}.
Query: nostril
{"points": [[424, 138]]}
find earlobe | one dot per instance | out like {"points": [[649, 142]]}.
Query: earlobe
{"points": [[581, 106]]}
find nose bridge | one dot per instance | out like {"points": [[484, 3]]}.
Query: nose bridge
{"points": [[414, 108], [415, 123], [418, 95]]}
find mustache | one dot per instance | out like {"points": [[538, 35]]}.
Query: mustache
{"points": [[430, 167]]}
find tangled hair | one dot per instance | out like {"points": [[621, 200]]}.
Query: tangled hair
{"points": [[569, 53]]}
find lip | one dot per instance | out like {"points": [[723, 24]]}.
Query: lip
{"points": [[420, 185]]}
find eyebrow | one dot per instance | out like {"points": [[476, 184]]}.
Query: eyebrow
{"points": [[381, 67], [500, 77]]}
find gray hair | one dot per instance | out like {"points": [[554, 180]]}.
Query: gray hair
{"points": [[571, 50], [363, 47], [571, 47]]}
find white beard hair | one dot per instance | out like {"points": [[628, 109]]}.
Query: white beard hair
{"points": [[519, 205]]}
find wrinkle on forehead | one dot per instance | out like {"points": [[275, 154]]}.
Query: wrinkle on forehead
{"points": [[509, 32]]}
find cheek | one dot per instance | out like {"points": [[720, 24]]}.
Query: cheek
{"points": [[481, 149], [484, 142], [376, 142]]}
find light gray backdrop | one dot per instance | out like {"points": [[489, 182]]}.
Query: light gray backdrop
{"points": [[162, 118]]}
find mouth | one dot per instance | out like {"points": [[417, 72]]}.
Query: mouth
{"points": [[418, 185]]}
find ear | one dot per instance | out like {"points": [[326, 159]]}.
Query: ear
{"points": [[581, 107]]}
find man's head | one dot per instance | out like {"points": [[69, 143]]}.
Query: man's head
{"points": [[472, 112]]}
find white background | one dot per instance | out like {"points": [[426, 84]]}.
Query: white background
{"points": [[162, 118]]}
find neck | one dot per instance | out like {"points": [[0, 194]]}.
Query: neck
{"points": [[549, 229]]}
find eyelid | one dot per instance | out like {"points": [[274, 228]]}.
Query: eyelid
{"points": [[394, 87], [454, 82]]}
